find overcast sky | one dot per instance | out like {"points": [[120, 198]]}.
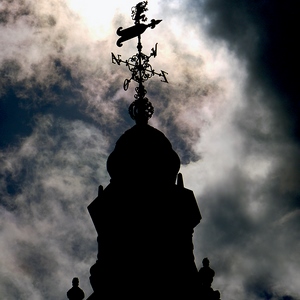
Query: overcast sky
{"points": [[230, 110]]}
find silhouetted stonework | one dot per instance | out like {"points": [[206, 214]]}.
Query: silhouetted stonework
{"points": [[144, 222]]}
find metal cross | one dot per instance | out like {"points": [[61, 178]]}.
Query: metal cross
{"points": [[141, 110]]}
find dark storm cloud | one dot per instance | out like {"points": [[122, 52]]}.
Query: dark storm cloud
{"points": [[60, 92], [263, 34], [248, 218], [43, 206], [22, 99]]}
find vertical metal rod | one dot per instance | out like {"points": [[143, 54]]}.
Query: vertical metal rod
{"points": [[140, 64]]}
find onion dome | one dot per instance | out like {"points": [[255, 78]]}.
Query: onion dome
{"points": [[143, 155]]}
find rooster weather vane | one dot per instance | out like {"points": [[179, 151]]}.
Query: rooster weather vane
{"points": [[140, 110]]}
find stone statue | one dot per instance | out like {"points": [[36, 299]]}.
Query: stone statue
{"points": [[206, 276], [75, 293]]}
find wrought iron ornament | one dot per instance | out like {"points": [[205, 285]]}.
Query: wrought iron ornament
{"points": [[140, 110]]}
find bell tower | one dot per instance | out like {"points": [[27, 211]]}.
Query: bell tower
{"points": [[145, 217]]}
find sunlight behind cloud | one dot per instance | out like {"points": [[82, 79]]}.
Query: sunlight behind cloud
{"points": [[98, 16]]}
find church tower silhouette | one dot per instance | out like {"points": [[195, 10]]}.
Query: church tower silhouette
{"points": [[145, 217]]}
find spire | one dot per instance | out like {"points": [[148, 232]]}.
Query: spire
{"points": [[141, 109]]}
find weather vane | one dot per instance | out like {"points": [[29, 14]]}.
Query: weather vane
{"points": [[140, 110]]}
